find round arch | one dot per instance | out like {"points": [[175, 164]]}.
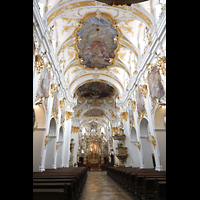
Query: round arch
{"points": [[38, 135], [160, 130], [134, 149], [146, 147], [51, 146], [102, 78]]}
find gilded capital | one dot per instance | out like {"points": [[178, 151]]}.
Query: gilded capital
{"points": [[68, 115]]}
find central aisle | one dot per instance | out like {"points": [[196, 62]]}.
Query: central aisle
{"points": [[99, 186]]}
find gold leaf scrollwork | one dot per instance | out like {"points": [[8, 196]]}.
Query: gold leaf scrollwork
{"points": [[57, 144], [133, 104], [124, 115], [46, 141], [161, 63], [139, 147], [39, 63], [61, 103], [144, 91], [153, 140], [74, 129], [68, 115], [53, 89], [116, 129]]}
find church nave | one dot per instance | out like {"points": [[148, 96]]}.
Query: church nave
{"points": [[99, 99], [99, 186]]}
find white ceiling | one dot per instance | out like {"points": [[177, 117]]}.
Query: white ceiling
{"points": [[133, 21]]}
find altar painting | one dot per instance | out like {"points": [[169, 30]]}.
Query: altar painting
{"points": [[140, 103], [96, 47], [155, 85], [130, 114], [43, 90]]}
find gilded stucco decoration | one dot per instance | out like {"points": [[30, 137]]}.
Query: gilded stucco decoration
{"points": [[124, 115], [161, 63], [68, 115], [74, 129], [144, 90], [39, 62], [133, 104], [53, 89]]}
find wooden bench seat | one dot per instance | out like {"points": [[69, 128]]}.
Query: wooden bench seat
{"points": [[49, 194], [139, 183], [64, 184]]}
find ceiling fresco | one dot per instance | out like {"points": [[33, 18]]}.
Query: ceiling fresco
{"points": [[94, 112], [97, 44], [95, 90]]}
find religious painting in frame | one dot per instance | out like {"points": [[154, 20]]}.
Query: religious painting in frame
{"points": [[155, 85], [140, 104], [44, 85], [55, 103], [130, 114]]}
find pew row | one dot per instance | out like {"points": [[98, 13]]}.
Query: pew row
{"points": [[141, 184], [59, 184]]}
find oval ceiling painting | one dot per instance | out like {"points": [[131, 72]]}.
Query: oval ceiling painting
{"points": [[96, 44]]}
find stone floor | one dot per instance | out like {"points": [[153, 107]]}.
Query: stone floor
{"points": [[99, 186]]}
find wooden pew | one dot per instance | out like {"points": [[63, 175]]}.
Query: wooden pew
{"points": [[62, 184], [160, 193], [49, 194], [139, 183]]}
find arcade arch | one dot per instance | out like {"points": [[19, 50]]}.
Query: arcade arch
{"points": [[39, 128], [160, 130]]}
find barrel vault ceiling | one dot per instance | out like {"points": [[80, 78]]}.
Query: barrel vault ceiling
{"points": [[99, 47]]}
